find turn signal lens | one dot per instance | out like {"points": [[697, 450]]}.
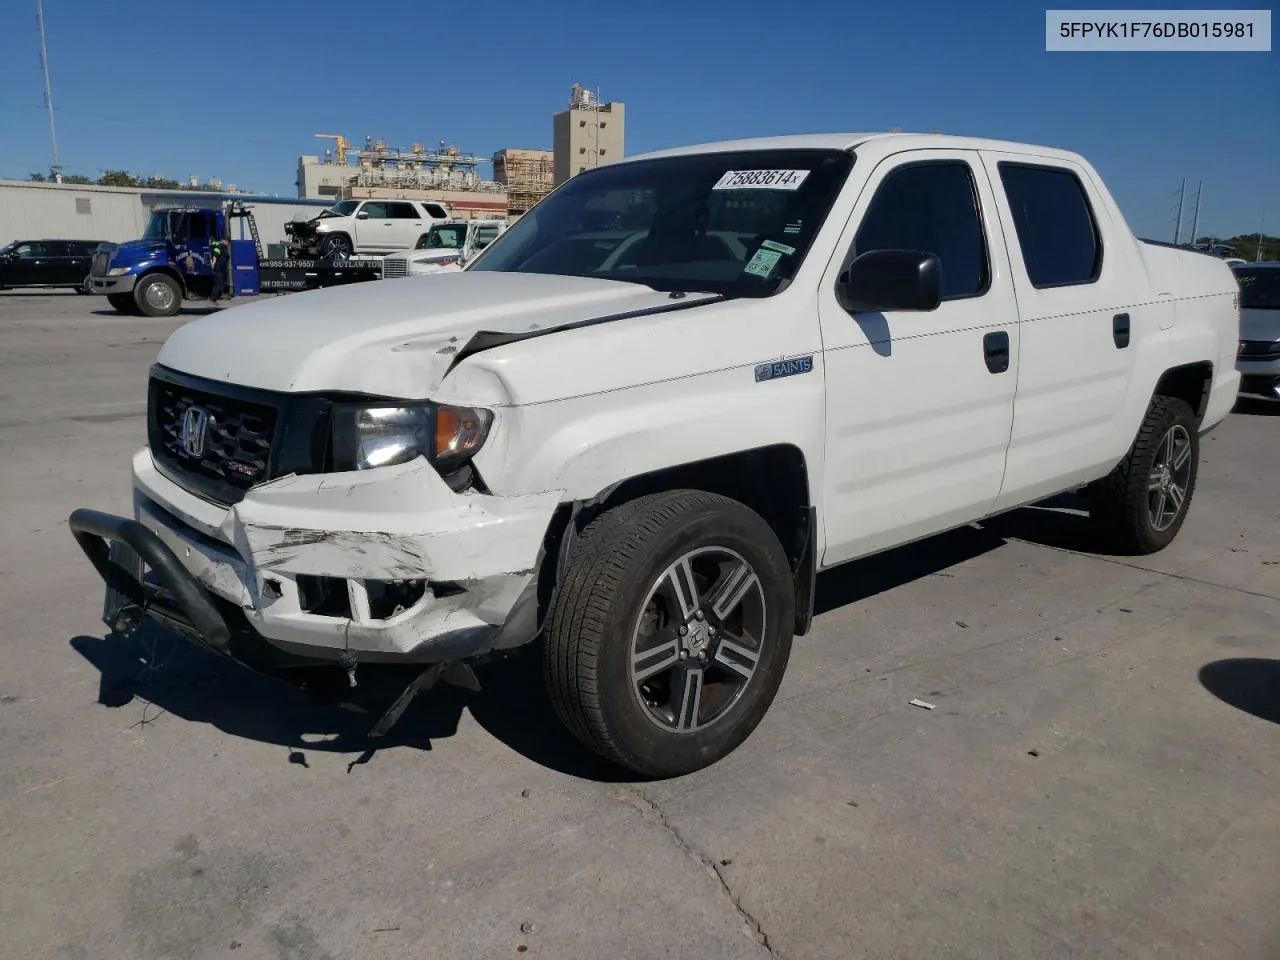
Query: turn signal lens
{"points": [[460, 432]]}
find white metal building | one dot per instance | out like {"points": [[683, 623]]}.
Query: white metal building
{"points": [[60, 211]]}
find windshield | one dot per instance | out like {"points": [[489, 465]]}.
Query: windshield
{"points": [[343, 208], [158, 226], [1259, 287], [735, 223], [451, 237]]}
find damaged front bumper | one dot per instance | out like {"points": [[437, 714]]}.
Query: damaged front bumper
{"points": [[385, 565]]}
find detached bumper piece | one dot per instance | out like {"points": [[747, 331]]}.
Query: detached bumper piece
{"points": [[120, 549]]}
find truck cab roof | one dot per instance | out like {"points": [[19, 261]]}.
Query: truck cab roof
{"points": [[874, 144]]}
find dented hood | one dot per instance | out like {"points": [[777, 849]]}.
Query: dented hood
{"points": [[386, 337]]}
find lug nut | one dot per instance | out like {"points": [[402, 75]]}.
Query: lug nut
{"points": [[683, 630], [700, 615], [684, 654]]}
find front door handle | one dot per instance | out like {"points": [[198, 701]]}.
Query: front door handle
{"points": [[1120, 330], [995, 346]]}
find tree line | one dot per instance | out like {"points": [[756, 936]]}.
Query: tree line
{"points": [[1247, 245], [122, 178]]}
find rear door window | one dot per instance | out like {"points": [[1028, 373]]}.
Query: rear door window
{"points": [[1057, 233]]}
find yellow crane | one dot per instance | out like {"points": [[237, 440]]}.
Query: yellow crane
{"points": [[340, 142]]}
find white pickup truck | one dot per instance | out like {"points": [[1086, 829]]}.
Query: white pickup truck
{"points": [[446, 248], [641, 422]]}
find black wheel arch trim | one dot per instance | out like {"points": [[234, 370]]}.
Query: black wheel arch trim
{"points": [[806, 572], [571, 518], [1192, 382]]}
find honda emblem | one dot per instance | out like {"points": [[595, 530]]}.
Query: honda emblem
{"points": [[195, 424]]}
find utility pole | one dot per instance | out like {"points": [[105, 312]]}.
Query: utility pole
{"points": [[1257, 253], [1177, 231], [56, 169], [1195, 217]]}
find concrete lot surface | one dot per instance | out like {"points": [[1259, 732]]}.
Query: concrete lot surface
{"points": [[1100, 777]]}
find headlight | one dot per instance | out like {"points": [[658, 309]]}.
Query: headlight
{"points": [[380, 435], [117, 271]]}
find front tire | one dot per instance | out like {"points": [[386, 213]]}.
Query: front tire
{"points": [[1142, 504], [671, 631], [122, 302], [157, 295], [335, 247]]}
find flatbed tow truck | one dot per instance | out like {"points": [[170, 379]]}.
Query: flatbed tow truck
{"points": [[170, 263]]}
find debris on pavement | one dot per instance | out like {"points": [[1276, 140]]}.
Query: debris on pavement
{"points": [[917, 702]]}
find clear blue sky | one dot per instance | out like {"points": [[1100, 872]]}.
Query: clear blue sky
{"points": [[236, 90]]}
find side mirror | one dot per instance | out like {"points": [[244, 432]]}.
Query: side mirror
{"points": [[362, 215], [884, 280]]}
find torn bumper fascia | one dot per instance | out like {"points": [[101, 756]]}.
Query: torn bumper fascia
{"points": [[393, 523]]}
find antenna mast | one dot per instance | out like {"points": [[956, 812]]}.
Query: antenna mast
{"points": [[56, 169]]}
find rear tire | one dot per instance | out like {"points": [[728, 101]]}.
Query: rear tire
{"points": [[1142, 504], [655, 673], [157, 295]]}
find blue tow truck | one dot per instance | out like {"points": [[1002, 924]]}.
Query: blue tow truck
{"points": [[170, 263]]}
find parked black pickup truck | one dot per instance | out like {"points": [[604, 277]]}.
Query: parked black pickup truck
{"points": [[46, 263]]}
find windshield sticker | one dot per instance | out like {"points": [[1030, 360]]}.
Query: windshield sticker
{"points": [[762, 263], [761, 180], [794, 227], [780, 247]]}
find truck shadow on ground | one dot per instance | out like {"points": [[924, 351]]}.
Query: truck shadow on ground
{"points": [[184, 312], [1246, 683], [1257, 407], [39, 292], [155, 673]]}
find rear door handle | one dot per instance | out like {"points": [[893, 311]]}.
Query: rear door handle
{"points": [[995, 346], [1120, 330]]}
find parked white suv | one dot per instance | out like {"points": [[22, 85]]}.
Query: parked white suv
{"points": [[640, 423], [362, 227], [445, 248]]}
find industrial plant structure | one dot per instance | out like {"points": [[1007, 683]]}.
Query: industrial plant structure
{"points": [[443, 174], [587, 133], [528, 176]]}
